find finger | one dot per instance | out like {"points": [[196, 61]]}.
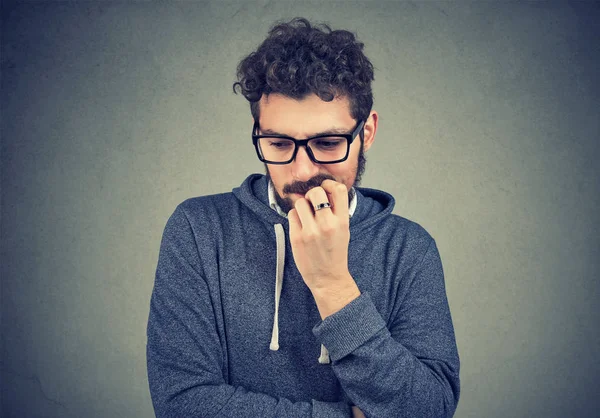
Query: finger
{"points": [[357, 413], [295, 223], [316, 196], [338, 197], [305, 214]]}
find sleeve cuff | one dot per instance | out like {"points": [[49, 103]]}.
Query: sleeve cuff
{"points": [[330, 409], [352, 326]]}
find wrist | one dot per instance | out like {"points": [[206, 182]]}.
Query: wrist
{"points": [[332, 298]]}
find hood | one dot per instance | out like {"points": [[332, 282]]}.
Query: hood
{"points": [[372, 206]]}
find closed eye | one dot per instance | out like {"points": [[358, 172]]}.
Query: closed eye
{"points": [[327, 143], [280, 144]]}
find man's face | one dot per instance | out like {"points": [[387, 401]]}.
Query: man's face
{"points": [[301, 119]]}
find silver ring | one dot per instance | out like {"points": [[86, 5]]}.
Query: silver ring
{"points": [[322, 206]]}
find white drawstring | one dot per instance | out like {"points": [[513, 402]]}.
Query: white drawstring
{"points": [[324, 357], [280, 239]]}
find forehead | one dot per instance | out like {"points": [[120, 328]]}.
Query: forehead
{"points": [[305, 116]]}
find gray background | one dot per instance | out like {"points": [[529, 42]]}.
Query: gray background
{"points": [[113, 113]]}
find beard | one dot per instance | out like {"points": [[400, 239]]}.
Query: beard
{"points": [[302, 187]]}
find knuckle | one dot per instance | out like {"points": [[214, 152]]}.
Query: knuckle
{"points": [[296, 240], [328, 230], [341, 188], [309, 237], [316, 191]]}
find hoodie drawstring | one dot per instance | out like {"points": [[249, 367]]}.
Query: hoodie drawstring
{"points": [[324, 357], [274, 346], [280, 239]]}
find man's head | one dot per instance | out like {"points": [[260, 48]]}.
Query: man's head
{"points": [[303, 81]]}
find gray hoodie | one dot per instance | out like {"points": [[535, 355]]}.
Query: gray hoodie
{"points": [[233, 330]]}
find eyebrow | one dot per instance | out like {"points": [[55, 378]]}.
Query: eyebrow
{"points": [[332, 131]]}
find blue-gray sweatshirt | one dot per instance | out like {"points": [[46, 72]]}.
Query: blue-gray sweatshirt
{"points": [[212, 317]]}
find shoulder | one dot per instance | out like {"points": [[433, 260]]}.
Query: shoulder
{"points": [[202, 214], [203, 205], [409, 237], [209, 208], [412, 230]]}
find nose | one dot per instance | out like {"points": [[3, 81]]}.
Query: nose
{"points": [[303, 168]]}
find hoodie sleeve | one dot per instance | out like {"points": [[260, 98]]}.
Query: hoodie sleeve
{"points": [[185, 358], [407, 369]]}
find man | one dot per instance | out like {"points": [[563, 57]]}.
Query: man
{"points": [[300, 294]]}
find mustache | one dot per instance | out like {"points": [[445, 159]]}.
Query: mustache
{"points": [[302, 187]]}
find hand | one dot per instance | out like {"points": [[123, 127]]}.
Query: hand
{"points": [[357, 413], [320, 246]]}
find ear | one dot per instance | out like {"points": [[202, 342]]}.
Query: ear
{"points": [[370, 129]]}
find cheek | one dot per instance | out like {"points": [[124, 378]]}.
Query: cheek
{"points": [[279, 175], [342, 171]]}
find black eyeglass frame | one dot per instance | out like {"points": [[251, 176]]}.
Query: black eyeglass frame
{"points": [[304, 143]]}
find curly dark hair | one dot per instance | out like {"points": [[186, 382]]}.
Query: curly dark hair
{"points": [[297, 59]]}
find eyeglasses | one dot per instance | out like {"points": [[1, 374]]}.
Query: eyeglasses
{"points": [[321, 149]]}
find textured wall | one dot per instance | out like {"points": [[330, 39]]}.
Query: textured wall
{"points": [[113, 113]]}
